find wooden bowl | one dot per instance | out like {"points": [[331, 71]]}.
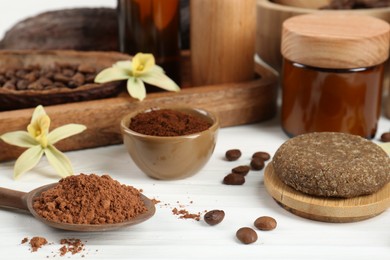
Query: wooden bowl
{"points": [[11, 99]]}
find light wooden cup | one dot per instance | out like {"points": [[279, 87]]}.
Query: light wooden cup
{"points": [[222, 41]]}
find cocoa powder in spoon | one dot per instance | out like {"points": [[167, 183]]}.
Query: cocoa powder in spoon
{"points": [[89, 199]]}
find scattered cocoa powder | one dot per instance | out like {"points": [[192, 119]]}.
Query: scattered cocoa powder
{"points": [[89, 199], [155, 201], [183, 213], [72, 245], [179, 210], [37, 242], [168, 122]]}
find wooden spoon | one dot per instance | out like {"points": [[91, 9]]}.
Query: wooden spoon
{"points": [[22, 200]]}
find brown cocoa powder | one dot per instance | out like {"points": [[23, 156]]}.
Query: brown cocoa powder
{"points": [[72, 245], [89, 199], [37, 242], [179, 210], [168, 122], [185, 214]]}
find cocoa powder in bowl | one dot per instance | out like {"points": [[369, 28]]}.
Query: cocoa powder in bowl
{"points": [[167, 122], [171, 142], [89, 199]]}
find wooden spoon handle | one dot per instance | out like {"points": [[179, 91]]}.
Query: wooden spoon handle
{"points": [[13, 199]]}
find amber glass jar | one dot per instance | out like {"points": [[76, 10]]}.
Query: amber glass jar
{"points": [[333, 73], [152, 26]]}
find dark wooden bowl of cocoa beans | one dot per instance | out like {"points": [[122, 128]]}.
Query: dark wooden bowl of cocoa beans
{"points": [[31, 77]]}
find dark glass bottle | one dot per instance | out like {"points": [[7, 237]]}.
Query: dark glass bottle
{"points": [[152, 26]]}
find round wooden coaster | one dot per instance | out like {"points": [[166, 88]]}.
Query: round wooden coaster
{"points": [[336, 210]]}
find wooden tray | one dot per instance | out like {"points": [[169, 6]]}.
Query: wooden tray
{"points": [[326, 209], [234, 104]]}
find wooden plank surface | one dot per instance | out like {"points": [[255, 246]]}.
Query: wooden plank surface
{"points": [[234, 104]]}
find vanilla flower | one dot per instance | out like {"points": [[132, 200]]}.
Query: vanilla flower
{"points": [[40, 141], [142, 68]]}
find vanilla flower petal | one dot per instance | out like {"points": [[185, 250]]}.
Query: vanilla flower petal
{"points": [[157, 69], [160, 80], [27, 160], [125, 65], [38, 112], [142, 63], [59, 161], [39, 129], [64, 131], [111, 74], [19, 138], [136, 88], [39, 125]]}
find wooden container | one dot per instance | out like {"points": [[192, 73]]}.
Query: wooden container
{"points": [[336, 86], [222, 41], [268, 38], [235, 104]]}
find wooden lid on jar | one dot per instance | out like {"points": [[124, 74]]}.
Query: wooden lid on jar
{"points": [[335, 40]]}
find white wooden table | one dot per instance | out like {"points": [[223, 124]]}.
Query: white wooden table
{"points": [[166, 236]]}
